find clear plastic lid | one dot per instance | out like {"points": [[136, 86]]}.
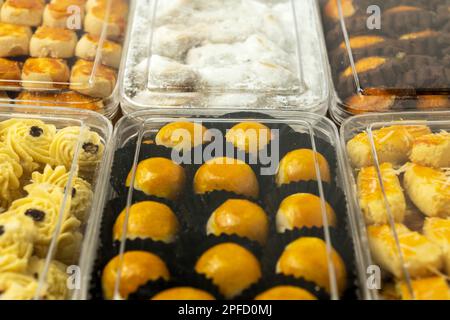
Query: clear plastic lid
{"points": [[178, 190], [62, 52], [52, 165], [399, 193], [388, 55], [224, 53]]}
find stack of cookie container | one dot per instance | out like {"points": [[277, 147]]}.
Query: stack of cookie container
{"points": [[399, 193], [62, 53], [387, 56], [53, 161]]}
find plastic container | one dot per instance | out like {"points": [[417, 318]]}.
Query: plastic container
{"points": [[397, 187], [63, 53], [134, 141], [223, 54], [54, 206], [387, 56]]}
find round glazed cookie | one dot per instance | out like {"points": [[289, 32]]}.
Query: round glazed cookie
{"points": [[227, 174], [70, 99], [303, 210], [231, 268], [240, 217], [64, 145], [148, 220], [45, 73], [299, 165], [138, 268], [307, 258], [285, 293], [67, 14], [53, 43], [17, 235], [249, 136], [104, 79], [159, 177], [181, 135], [111, 52], [22, 12], [95, 18], [183, 293], [56, 278], [14, 40], [10, 72]]}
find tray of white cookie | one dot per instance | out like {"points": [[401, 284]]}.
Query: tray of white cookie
{"points": [[52, 164], [398, 183], [222, 54], [62, 52]]}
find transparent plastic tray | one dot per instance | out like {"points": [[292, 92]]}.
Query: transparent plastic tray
{"points": [[140, 128], [54, 160], [62, 52], [398, 192], [220, 54], [388, 55]]}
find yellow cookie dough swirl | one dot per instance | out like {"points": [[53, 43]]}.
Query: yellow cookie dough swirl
{"points": [[17, 286], [43, 207], [10, 174], [56, 280], [64, 145], [17, 235], [30, 139], [59, 177]]}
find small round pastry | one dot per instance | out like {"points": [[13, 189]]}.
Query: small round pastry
{"points": [[64, 145], [159, 177], [240, 217], [111, 52], [359, 103], [53, 43], [69, 99], [14, 40], [22, 12], [307, 258], [17, 286], [181, 135], [43, 207], [250, 137], [56, 278], [10, 173], [433, 102], [102, 85], [299, 165], [227, 174], [138, 268], [68, 14], [183, 293], [148, 220], [45, 73], [303, 210], [17, 235], [30, 139], [231, 268], [81, 194], [10, 72], [119, 5], [285, 293], [332, 9], [117, 20]]}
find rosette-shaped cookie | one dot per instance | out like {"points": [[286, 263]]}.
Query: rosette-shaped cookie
{"points": [[56, 278], [30, 139], [10, 173], [63, 148], [59, 177], [17, 286], [17, 235], [44, 207]]}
